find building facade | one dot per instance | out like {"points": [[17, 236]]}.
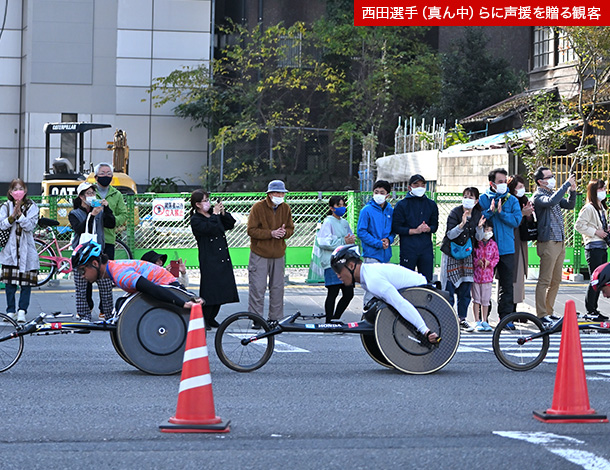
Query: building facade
{"points": [[94, 60]]}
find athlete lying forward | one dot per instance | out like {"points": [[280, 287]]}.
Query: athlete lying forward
{"points": [[383, 281], [129, 275]]}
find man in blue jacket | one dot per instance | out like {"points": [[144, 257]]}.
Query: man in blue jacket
{"points": [[375, 227], [415, 220], [502, 208]]}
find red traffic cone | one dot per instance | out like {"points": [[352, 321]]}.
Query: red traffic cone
{"points": [[571, 397], [195, 411]]}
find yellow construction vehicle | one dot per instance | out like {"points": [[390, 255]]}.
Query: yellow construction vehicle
{"points": [[62, 177]]}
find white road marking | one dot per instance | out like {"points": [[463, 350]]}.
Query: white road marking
{"points": [[563, 446], [280, 346]]}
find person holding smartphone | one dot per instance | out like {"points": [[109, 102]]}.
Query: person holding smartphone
{"points": [[217, 285], [91, 215], [177, 268]]}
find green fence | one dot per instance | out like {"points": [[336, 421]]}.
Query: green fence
{"points": [[148, 230]]}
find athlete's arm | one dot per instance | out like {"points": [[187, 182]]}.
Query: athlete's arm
{"points": [[158, 292]]}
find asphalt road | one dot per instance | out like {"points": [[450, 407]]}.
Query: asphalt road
{"points": [[71, 402]]}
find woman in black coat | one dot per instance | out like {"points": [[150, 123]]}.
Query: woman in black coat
{"points": [[217, 285]]}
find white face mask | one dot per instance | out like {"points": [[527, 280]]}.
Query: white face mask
{"points": [[601, 195], [550, 183], [379, 198], [501, 188], [468, 203], [488, 235], [277, 200], [520, 192], [418, 192]]}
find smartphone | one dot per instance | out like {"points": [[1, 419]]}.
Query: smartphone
{"points": [[174, 268], [96, 203]]}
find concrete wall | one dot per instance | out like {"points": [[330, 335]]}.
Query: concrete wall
{"points": [[457, 171]]}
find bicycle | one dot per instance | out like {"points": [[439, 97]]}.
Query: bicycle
{"points": [[145, 333], [526, 346], [50, 252], [244, 341]]}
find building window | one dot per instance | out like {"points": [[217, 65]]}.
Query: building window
{"points": [[543, 46], [565, 52], [550, 48]]}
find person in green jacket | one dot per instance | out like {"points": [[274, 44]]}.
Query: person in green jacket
{"points": [[103, 175], [335, 232]]}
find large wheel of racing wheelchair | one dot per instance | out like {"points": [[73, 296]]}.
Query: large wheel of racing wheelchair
{"points": [[370, 345], [151, 335], [403, 347]]}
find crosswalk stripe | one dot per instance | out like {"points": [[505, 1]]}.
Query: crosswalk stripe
{"points": [[595, 350]]}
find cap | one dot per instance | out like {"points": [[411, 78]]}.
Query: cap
{"points": [[415, 178], [84, 186], [152, 257], [276, 186]]}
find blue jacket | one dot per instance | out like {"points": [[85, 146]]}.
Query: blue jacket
{"points": [[409, 213], [375, 223], [505, 221]]}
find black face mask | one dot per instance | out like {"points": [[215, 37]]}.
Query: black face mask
{"points": [[104, 180]]}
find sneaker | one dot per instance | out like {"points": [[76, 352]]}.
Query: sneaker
{"points": [[213, 323], [479, 327], [12, 315], [601, 317], [548, 319], [465, 326], [510, 326], [21, 316], [555, 317], [487, 326]]}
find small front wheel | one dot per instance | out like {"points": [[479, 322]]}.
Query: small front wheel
{"points": [[243, 356], [513, 344], [11, 345]]}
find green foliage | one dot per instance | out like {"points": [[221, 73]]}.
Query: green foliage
{"points": [[164, 185], [542, 119], [473, 79], [456, 135]]}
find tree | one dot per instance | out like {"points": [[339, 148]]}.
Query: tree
{"points": [[591, 45], [473, 79]]}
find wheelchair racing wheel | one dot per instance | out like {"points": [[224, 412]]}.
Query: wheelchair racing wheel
{"points": [[152, 334], [404, 348], [370, 346]]}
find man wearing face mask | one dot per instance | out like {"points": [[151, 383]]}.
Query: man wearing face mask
{"points": [[415, 219], [551, 237], [503, 210], [103, 176], [269, 225], [375, 228]]}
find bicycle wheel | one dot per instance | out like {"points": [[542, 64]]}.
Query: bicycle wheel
{"points": [[402, 345], [122, 251], [370, 346], [11, 345], [46, 258], [237, 356], [513, 348]]}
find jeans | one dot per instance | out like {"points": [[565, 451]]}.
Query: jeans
{"points": [[463, 297], [24, 298]]}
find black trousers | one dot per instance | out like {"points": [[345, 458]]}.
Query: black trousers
{"points": [[329, 304], [595, 257], [423, 261], [505, 272]]}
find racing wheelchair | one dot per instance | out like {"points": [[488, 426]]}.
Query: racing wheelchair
{"points": [[146, 333], [244, 341]]}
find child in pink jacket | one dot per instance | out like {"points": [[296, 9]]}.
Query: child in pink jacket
{"points": [[485, 259]]}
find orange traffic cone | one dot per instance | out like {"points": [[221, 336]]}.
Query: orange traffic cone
{"points": [[195, 411], [571, 397]]}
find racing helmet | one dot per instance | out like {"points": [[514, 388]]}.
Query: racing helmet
{"points": [[342, 255], [85, 253], [601, 276]]}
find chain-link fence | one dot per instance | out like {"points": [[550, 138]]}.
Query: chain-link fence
{"points": [[160, 222]]}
